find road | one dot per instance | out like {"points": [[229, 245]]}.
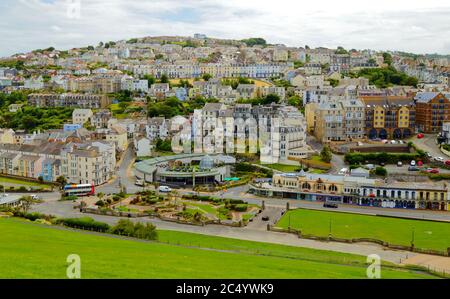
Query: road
{"points": [[428, 144], [124, 176]]}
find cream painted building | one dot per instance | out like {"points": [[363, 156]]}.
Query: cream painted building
{"points": [[81, 116]]}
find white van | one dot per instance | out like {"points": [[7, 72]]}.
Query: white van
{"points": [[164, 189]]}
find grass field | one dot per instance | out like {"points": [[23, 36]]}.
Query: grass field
{"points": [[427, 234], [30, 250], [11, 181]]}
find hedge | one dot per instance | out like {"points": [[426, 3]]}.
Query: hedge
{"points": [[390, 158], [85, 223], [239, 207]]}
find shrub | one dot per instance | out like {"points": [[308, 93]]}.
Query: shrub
{"points": [[240, 207], [32, 216], [85, 223], [127, 228], [381, 171], [390, 158], [100, 203], [236, 201]]}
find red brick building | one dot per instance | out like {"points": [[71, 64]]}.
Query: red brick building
{"points": [[432, 110]]}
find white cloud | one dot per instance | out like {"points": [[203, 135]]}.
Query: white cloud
{"points": [[415, 26]]}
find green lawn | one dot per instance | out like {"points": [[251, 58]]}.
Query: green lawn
{"points": [[31, 250], [4, 180], [428, 234], [283, 167]]}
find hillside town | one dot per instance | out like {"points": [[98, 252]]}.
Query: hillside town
{"points": [[139, 95]]}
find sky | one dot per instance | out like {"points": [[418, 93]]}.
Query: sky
{"points": [[404, 25]]}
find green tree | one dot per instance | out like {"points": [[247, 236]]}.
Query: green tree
{"points": [[387, 58], [206, 77], [164, 78], [62, 181], [381, 171], [326, 154]]}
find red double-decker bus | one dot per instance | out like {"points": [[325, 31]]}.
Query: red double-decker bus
{"points": [[79, 190]]}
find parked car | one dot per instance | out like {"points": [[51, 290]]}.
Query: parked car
{"points": [[401, 142], [413, 168], [447, 162], [439, 159], [165, 189], [139, 182], [35, 197], [429, 156], [382, 164], [360, 143], [432, 170], [399, 164], [420, 135], [393, 142], [265, 218], [370, 166], [343, 171], [330, 205], [413, 163]]}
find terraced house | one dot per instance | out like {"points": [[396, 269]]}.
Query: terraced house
{"points": [[356, 190], [389, 117]]}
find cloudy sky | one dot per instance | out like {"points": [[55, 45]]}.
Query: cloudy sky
{"points": [[407, 25]]}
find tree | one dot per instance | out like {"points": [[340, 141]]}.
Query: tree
{"points": [[387, 58], [151, 80], [381, 171], [326, 154], [206, 77], [25, 203], [295, 101], [62, 181], [164, 78], [250, 42], [90, 48]]}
